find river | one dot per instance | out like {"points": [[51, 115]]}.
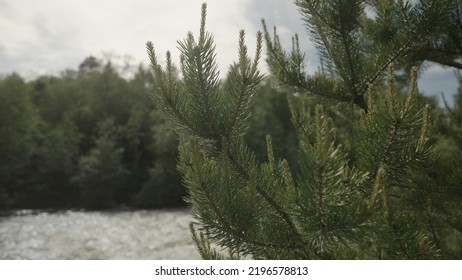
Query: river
{"points": [[126, 235]]}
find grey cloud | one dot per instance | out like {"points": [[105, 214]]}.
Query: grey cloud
{"points": [[52, 36], [436, 80]]}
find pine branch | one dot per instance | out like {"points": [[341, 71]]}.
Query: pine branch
{"points": [[202, 79], [239, 236], [343, 191], [243, 80], [268, 198], [203, 245], [166, 93], [390, 218], [320, 154], [315, 86]]}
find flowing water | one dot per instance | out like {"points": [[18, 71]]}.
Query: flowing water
{"points": [[139, 235]]}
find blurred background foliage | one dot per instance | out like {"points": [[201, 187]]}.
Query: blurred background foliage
{"points": [[86, 139], [91, 138]]}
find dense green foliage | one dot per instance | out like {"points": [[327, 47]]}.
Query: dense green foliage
{"points": [[363, 181], [93, 139], [88, 138]]}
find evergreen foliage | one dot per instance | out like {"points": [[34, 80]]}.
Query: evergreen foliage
{"points": [[87, 138], [271, 116], [446, 138], [364, 194], [18, 120], [101, 173], [51, 127]]}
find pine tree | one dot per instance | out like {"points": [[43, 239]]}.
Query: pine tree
{"points": [[356, 196], [101, 173]]}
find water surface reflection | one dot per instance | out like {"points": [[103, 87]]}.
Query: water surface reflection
{"points": [[159, 234]]}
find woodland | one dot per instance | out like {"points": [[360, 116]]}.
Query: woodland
{"points": [[91, 138]]}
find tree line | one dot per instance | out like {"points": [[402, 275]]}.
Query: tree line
{"points": [[86, 139], [91, 138]]}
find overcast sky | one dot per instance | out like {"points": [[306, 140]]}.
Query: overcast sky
{"points": [[48, 36]]}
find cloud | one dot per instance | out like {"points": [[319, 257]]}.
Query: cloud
{"points": [[48, 36], [436, 80]]}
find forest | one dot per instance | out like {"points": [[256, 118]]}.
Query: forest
{"points": [[86, 139], [92, 139]]}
